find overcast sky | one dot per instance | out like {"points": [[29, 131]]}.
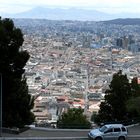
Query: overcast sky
{"points": [[109, 6]]}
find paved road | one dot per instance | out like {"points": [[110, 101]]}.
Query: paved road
{"points": [[53, 134]]}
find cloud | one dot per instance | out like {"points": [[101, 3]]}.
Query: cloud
{"points": [[107, 5], [74, 2]]}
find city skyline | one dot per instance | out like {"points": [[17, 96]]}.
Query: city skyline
{"points": [[107, 6]]}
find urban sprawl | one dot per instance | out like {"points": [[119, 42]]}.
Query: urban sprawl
{"points": [[72, 63]]}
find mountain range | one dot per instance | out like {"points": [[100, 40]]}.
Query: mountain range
{"points": [[69, 14]]}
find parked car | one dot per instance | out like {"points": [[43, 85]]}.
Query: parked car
{"points": [[109, 132]]}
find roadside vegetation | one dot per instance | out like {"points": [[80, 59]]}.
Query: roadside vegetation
{"points": [[73, 119], [121, 102], [16, 102]]}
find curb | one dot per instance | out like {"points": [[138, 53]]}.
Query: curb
{"points": [[132, 125], [53, 129], [45, 138]]}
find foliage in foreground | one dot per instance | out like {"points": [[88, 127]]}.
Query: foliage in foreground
{"points": [[73, 118], [16, 102], [121, 101]]}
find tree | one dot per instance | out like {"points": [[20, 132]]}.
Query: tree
{"points": [[114, 106], [133, 103], [135, 87], [17, 103], [74, 118], [104, 114]]}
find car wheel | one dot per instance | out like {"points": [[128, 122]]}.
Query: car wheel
{"points": [[121, 138], [98, 138]]}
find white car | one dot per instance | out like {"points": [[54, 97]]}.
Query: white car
{"points": [[109, 132]]}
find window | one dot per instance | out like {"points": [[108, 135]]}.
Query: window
{"points": [[123, 129], [117, 129], [109, 130], [103, 128]]}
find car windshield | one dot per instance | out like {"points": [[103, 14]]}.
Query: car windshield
{"points": [[103, 128]]}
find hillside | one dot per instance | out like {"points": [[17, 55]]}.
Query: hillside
{"points": [[127, 21]]}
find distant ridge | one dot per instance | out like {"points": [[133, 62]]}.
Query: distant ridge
{"points": [[62, 14], [55, 13], [126, 21]]}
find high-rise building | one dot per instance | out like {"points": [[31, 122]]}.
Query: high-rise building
{"points": [[119, 42]]}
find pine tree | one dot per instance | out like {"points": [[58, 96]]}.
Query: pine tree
{"points": [[114, 106], [133, 103], [16, 102]]}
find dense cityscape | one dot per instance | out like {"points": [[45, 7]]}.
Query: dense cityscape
{"points": [[72, 63], [70, 69]]}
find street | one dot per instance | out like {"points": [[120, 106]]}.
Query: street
{"points": [[52, 134]]}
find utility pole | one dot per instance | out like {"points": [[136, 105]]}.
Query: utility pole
{"points": [[0, 104]]}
